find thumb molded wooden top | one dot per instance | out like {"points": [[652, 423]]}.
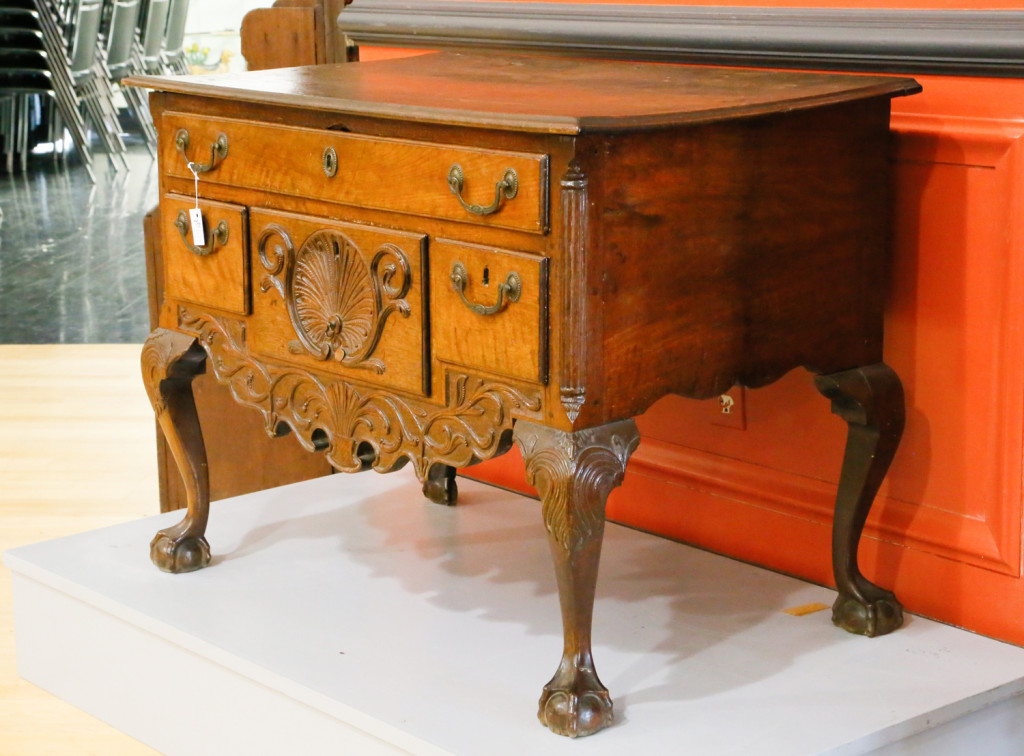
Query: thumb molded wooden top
{"points": [[536, 94]]}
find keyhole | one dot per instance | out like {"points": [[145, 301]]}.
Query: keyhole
{"points": [[487, 276]]}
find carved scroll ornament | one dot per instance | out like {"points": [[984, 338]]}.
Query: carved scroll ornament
{"points": [[359, 427], [337, 303]]}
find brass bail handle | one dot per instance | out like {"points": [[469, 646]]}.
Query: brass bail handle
{"points": [[219, 235], [508, 187], [218, 150], [508, 291]]}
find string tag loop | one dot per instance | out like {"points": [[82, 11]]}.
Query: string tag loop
{"points": [[195, 215]]}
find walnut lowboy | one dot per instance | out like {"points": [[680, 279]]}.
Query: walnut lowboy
{"points": [[427, 260]]}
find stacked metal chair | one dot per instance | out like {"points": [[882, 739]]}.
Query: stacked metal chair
{"points": [[70, 55], [34, 66], [123, 57], [157, 49], [92, 83], [152, 31], [173, 55]]}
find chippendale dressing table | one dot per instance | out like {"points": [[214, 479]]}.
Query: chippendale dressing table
{"points": [[428, 259]]}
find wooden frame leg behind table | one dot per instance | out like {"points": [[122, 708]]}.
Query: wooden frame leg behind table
{"points": [[170, 361], [870, 400], [574, 473]]}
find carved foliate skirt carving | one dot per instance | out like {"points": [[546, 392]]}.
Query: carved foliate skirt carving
{"points": [[359, 427]]}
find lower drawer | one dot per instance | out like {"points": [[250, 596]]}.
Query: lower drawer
{"points": [[216, 273], [340, 297], [489, 309]]}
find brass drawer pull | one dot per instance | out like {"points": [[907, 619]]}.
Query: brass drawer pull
{"points": [[219, 235], [509, 291], [218, 150], [507, 187]]}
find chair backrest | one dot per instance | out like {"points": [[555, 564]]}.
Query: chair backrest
{"points": [[28, 81], [27, 39], [177, 15], [23, 60], [17, 18], [22, 4], [154, 27], [123, 20], [86, 35]]}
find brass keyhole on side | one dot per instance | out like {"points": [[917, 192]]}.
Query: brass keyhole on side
{"points": [[486, 278]]}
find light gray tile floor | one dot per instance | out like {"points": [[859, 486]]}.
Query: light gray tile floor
{"points": [[72, 265]]}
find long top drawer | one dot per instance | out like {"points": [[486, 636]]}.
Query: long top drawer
{"points": [[487, 187]]}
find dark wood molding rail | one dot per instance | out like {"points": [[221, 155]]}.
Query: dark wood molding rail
{"points": [[987, 43]]}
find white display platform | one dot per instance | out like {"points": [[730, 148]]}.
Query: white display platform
{"points": [[346, 615]]}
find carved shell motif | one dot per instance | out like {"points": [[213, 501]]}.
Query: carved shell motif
{"points": [[332, 295], [338, 304]]}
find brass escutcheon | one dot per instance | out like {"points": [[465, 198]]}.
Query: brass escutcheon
{"points": [[330, 162], [218, 150], [219, 235], [508, 187], [508, 291]]}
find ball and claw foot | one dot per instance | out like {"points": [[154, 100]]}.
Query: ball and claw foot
{"points": [[574, 702], [440, 486], [575, 713], [181, 554], [875, 612]]}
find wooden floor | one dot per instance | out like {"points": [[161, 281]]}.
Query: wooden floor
{"points": [[77, 453]]}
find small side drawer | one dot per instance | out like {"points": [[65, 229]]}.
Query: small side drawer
{"points": [[374, 172], [340, 297], [216, 274], [489, 309]]}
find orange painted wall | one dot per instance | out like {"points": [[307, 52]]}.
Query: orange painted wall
{"points": [[929, 4], [946, 530], [947, 527], [919, 4]]}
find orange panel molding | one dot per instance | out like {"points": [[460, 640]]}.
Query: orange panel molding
{"points": [[986, 543], [954, 139]]}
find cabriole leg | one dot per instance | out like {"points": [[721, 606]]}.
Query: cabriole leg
{"points": [[170, 361], [870, 400], [574, 473]]}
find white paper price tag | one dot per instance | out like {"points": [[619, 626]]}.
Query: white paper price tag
{"points": [[198, 236]]}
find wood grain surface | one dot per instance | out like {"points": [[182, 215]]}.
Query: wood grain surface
{"points": [[508, 342], [219, 279], [580, 96], [388, 174], [402, 348], [67, 466]]}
